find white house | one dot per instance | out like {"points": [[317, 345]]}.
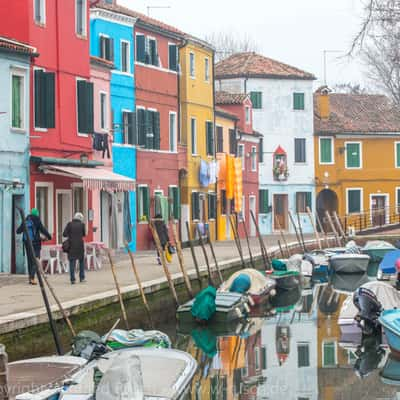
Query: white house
{"points": [[282, 99]]}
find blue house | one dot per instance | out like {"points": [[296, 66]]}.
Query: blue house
{"points": [[112, 39], [15, 60]]}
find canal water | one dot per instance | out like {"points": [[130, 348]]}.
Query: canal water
{"points": [[291, 349]]}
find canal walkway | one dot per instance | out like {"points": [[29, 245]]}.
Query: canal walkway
{"points": [[21, 305]]}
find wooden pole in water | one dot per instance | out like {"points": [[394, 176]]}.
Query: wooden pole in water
{"points": [[295, 229], [121, 301], [236, 240], [163, 262], [139, 283], [31, 253], [248, 244], [339, 225], [282, 236], [210, 279], [333, 228], [214, 256], [301, 233], [181, 260], [4, 392], [314, 227], [264, 252], [196, 264]]}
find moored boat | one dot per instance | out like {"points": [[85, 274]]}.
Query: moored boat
{"points": [[377, 249], [387, 266], [390, 374], [286, 280], [121, 339], [349, 263], [390, 321]]}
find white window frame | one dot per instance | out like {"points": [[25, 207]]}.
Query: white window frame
{"points": [[397, 205], [212, 193], [147, 39], [207, 70], [192, 75], [155, 193], [50, 201], [128, 57], [387, 205], [174, 147], [243, 156], [177, 54], [84, 19], [332, 150], [345, 155], [141, 201], [257, 360], [247, 114], [76, 99], [20, 72], [126, 110], [37, 128], [253, 158], [70, 193], [103, 93], [193, 142], [42, 21], [322, 352], [361, 200], [396, 161], [102, 35]]}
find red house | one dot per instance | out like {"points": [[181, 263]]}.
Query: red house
{"points": [[249, 148]]}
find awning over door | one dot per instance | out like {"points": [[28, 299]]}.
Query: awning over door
{"points": [[94, 178]]}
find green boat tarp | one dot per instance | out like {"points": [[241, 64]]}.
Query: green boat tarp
{"points": [[204, 305], [283, 274], [278, 265]]}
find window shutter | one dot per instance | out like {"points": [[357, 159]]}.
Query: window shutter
{"points": [[256, 99], [131, 132], [261, 151], [220, 139], [354, 201], [141, 48], [50, 99], [146, 202], [141, 126], [195, 206], [39, 98], [308, 200], [149, 129], [298, 101], [153, 52], [174, 202], [353, 155], [212, 206], [173, 57], [325, 150], [156, 130], [263, 201], [111, 49], [397, 154], [232, 142], [85, 107], [103, 47], [210, 138]]}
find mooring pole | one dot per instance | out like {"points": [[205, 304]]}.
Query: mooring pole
{"points": [[314, 227], [214, 256], [232, 223], [301, 233], [210, 279], [260, 239], [295, 229], [333, 228], [282, 236], [196, 264], [248, 244], [4, 392], [340, 227]]}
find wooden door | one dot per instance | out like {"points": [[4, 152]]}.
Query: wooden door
{"points": [[280, 211], [17, 246], [378, 210]]}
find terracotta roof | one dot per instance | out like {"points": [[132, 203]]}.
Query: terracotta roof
{"points": [[141, 17], [224, 113], [102, 62], [230, 98], [254, 65], [17, 47], [358, 114]]}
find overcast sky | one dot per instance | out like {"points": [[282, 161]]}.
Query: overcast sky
{"points": [[293, 31]]}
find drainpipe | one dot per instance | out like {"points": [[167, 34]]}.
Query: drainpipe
{"points": [[215, 143]]}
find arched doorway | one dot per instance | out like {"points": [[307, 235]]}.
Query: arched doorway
{"points": [[327, 200]]}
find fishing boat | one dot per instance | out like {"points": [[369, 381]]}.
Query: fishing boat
{"points": [[390, 321], [349, 263], [135, 373], [390, 374], [42, 378], [377, 249], [387, 266], [261, 286]]}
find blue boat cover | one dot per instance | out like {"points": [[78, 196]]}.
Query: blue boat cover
{"points": [[241, 284], [388, 264]]}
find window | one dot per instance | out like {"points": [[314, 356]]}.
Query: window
{"points": [[152, 53], [195, 206], [353, 155], [103, 111], [263, 357], [398, 200], [78, 200], [158, 208], [193, 132], [210, 138], [300, 150], [44, 99], [243, 211], [206, 69], [17, 100], [257, 358], [192, 65], [44, 203], [256, 99], [173, 57], [172, 132], [143, 204], [263, 201], [148, 128], [40, 11], [247, 111], [174, 202], [254, 158], [125, 57], [129, 127], [261, 151], [240, 154], [220, 139], [232, 142], [298, 101], [326, 150], [212, 206], [397, 154], [303, 200], [85, 106], [106, 48], [329, 354], [223, 202], [354, 202], [140, 48], [303, 355], [81, 12]]}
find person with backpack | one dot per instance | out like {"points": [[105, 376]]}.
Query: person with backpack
{"points": [[35, 228], [75, 231]]}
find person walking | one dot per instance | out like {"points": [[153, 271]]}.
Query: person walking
{"points": [[162, 232], [35, 228], [75, 231]]}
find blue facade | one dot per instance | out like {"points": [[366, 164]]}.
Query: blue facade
{"points": [[121, 30], [14, 159]]}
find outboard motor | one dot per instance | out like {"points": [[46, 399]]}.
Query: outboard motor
{"points": [[369, 310]]}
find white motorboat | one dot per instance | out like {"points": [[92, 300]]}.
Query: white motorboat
{"points": [[349, 263]]}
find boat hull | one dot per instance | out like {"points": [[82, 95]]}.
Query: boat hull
{"points": [[349, 264], [376, 255]]}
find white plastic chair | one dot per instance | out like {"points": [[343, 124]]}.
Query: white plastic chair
{"points": [[49, 259], [93, 257]]}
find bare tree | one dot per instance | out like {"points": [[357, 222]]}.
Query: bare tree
{"points": [[228, 43], [350, 88]]}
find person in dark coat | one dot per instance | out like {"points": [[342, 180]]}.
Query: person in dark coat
{"points": [[35, 228], [75, 232], [162, 232]]}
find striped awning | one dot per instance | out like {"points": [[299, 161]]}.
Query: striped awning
{"points": [[94, 178]]}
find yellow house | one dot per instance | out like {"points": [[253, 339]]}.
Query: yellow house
{"points": [[198, 183], [357, 157]]}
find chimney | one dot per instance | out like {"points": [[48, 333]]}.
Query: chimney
{"points": [[323, 102]]}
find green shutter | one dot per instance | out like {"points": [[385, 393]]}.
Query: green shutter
{"points": [[141, 48], [298, 101], [174, 202], [50, 100], [308, 200], [38, 99], [141, 126], [156, 130], [146, 202], [212, 206], [130, 132], [153, 52], [256, 99], [353, 156], [16, 102], [210, 138], [85, 107], [263, 201], [149, 129], [173, 57], [329, 354], [261, 151], [325, 150], [354, 201], [195, 205]]}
